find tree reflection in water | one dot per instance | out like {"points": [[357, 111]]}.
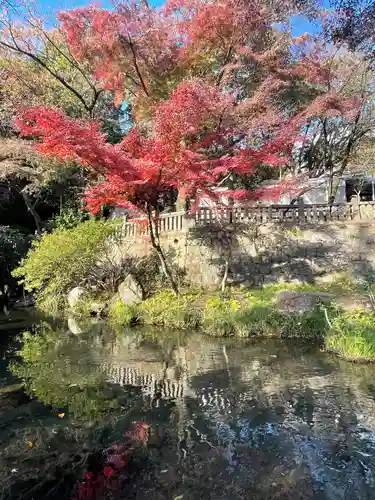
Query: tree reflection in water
{"points": [[157, 415]]}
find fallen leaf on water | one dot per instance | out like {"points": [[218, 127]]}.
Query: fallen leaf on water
{"points": [[30, 444], [61, 415], [108, 471]]}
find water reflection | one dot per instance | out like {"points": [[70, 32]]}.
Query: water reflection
{"points": [[263, 420]]}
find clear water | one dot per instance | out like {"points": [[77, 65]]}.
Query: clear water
{"points": [[263, 420]]}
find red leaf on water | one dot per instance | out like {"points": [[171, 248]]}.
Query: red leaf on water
{"points": [[108, 471]]}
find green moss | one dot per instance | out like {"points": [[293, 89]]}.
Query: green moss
{"points": [[352, 335], [245, 313], [238, 313], [343, 285], [266, 295], [254, 313], [296, 232]]}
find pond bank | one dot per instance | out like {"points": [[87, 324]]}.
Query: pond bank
{"points": [[317, 313]]}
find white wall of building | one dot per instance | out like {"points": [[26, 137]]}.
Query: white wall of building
{"points": [[317, 194]]}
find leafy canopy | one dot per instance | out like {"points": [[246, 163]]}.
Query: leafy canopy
{"points": [[216, 93]]}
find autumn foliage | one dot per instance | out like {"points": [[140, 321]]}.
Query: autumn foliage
{"points": [[209, 84], [113, 472], [216, 93]]}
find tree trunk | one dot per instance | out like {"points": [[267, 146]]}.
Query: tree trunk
{"points": [[180, 202], [225, 277], [335, 181], [333, 185], [37, 219], [163, 261], [228, 261]]}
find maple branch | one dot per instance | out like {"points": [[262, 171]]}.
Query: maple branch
{"points": [[16, 48], [29, 205], [226, 61], [136, 67], [71, 60], [94, 100], [348, 150]]}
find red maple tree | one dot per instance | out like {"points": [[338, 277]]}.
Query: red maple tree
{"points": [[216, 93]]}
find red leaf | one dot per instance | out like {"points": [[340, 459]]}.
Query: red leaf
{"points": [[89, 476], [108, 471]]}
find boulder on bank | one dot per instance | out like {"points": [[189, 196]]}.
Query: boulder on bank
{"points": [[299, 302], [130, 291], [75, 295]]}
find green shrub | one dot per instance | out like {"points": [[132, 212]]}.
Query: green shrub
{"points": [[311, 324], [88, 305], [61, 260], [353, 335], [262, 321], [69, 217], [165, 309], [122, 314]]}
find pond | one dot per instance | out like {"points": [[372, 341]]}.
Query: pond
{"points": [[88, 412]]}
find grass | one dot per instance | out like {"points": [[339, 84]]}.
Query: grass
{"points": [[226, 318], [167, 310], [352, 335], [121, 314], [238, 314]]}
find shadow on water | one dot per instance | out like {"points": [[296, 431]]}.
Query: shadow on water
{"points": [[262, 420]]}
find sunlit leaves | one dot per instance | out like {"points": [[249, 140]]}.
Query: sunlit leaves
{"points": [[215, 91]]}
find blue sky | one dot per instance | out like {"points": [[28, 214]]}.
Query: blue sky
{"points": [[56, 5], [300, 24]]}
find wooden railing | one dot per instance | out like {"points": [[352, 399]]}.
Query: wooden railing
{"points": [[298, 214]]}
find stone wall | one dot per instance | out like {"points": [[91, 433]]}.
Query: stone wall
{"points": [[261, 253]]}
